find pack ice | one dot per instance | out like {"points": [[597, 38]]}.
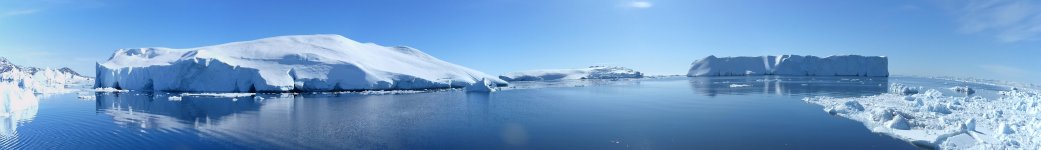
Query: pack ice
{"points": [[1010, 120], [593, 72], [282, 64], [795, 65]]}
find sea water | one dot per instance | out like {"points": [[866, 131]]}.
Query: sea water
{"points": [[658, 113]]}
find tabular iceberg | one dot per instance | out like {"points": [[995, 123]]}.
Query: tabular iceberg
{"points": [[796, 65], [593, 72], [282, 64]]}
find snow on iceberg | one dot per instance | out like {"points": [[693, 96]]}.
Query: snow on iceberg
{"points": [[931, 119], [282, 64], [795, 65], [593, 72]]}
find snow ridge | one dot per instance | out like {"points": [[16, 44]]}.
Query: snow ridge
{"points": [[312, 63], [795, 65]]}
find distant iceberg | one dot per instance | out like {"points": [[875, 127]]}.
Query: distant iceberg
{"points": [[593, 72], [283, 64], [794, 65], [41, 80]]}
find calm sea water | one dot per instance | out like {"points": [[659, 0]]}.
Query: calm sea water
{"points": [[667, 113]]}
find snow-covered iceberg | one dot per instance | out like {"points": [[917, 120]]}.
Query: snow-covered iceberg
{"points": [[795, 65], [282, 64], [593, 72]]}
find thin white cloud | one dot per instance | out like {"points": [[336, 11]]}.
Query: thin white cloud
{"points": [[641, 4], [19, 12], [1006, 20]]}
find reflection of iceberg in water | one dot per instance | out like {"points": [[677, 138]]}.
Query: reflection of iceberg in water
{"points": [[784, 85], [18, 106], [147, 110], [305, 121]]}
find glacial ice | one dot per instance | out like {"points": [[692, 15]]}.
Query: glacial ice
{"points": [[593, 72], [794, 65], [1010, 120], [282, 64]]}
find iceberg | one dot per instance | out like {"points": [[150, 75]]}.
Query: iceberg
{"points": [[792, 65], [480, 86], [40, 80], [312, 63], [17, 105], [593, 72]]}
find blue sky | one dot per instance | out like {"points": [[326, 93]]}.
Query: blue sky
{"points": [[994, 39]]}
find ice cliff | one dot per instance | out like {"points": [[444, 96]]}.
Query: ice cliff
{"points": [[282, 64]]}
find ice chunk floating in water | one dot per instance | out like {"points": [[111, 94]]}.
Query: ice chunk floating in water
{"points": [[16, 105], [593, 72], [841, 65], [281, 64], [480, 86]]}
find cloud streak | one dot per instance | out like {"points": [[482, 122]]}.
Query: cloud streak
{"points": [[640, 4], [1007, 20], [19, 12]]}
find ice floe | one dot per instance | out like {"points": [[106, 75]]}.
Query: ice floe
{"points": [[739, 85]]}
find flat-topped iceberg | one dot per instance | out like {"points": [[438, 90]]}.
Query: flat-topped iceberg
{"points": [[593, 72], [282, 64], [795, 65]]}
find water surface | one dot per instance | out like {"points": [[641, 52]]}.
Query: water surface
{"points": [[667, 113]]}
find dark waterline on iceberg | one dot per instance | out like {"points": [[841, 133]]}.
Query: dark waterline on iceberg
{"points": [[672, 113]]}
